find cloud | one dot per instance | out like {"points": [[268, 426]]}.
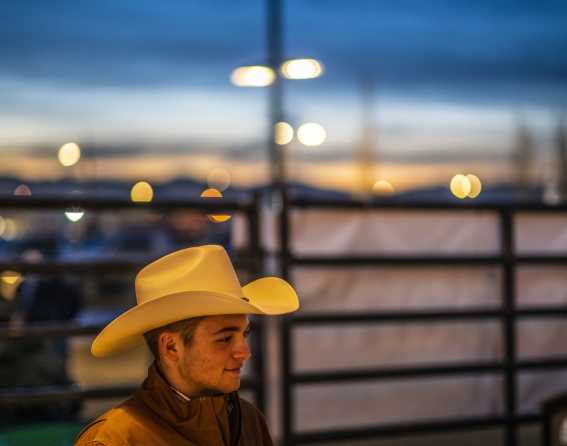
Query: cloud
{"points": [[184, 42]]}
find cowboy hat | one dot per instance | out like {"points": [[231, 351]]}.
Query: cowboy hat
{"points": [[191, 282]]}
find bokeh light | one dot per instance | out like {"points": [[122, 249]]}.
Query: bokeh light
{"points": [[218, 179], [69, 154], [214, 193], [75, 215], [11, 277], [9, 282], [22, 190], [460, 186], [302, 69], [8, 229], [382, 187], [476, 185], [283, 133], [252, 76], [142, 192], [311, 134]]}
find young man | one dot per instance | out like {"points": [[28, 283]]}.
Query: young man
{"points": [[192, 313]]}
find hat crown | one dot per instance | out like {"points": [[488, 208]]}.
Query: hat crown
{"points": [[204, 268]]}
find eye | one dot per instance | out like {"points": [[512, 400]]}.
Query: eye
{"points": [[225, 340]]}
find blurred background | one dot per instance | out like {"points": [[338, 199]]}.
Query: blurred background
{"points": [[414, 91], [427, 142]]}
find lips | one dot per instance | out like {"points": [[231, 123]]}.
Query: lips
{"points": [[236, 370]]}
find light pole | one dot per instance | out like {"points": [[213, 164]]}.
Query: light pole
{"points": [[274, 30]]}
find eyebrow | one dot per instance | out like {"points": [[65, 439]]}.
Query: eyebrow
{"points": [[231, 329]]}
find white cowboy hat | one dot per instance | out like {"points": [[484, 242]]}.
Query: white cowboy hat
{"points": [[188, 283]]}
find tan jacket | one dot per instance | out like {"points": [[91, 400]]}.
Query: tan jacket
{"points": [[155, 415]]}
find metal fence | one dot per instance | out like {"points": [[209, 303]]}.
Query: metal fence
{"points": [[507, 314], [252, 258]]}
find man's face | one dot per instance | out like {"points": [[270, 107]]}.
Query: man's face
{"points": [[213, 360]]}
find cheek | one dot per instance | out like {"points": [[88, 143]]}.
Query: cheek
{"points": [[206, 365]]}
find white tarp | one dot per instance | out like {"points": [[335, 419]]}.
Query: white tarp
{"points": [[396, 232]]}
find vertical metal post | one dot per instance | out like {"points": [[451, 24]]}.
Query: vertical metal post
{"points": [[286, 331], [287, 385], [279, 195], [509, 325], [259, 336]]}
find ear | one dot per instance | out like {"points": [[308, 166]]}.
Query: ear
{"points": [[169, 344]]}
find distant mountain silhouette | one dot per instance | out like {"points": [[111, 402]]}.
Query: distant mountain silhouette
{"points": [[187, 188]]}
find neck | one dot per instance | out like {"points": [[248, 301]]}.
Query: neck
{"points": [[173, 379]]}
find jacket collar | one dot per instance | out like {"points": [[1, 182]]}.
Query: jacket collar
{"points": [[202, 420]]}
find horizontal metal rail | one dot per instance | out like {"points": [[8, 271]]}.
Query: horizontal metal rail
{"points": [[406, 429], [423, 316], [49, 330], [50, 394], [414, 371], [99, 204], [541, 364], [114, 267], [423, 261], [386, 204], [533, 312], [395, 316], [109, 266], [393, 260]]}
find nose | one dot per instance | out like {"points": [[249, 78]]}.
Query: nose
{"points": [[241, 351]]}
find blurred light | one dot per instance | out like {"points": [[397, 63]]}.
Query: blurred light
{"points": [[252, 76], [214, 193], [311, 134], [218, 179], [22, 191], [11, 277], [476, 185], [142, 192], [9, 282], [2, 225], [32, 255], [74, 216], [551, 194], [302, 69], [283, 133], [383, 187], [69, 154], [218, 218], [9, 229], [460, 186], [562, 431]]}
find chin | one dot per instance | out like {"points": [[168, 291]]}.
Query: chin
{"points": [[222, 388], [231, 387]]}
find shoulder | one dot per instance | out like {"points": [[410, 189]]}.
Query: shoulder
{"points": [[88, 435], [110, 429]]}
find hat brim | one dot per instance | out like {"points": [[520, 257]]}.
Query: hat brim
{"points": [[268, 296]]}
